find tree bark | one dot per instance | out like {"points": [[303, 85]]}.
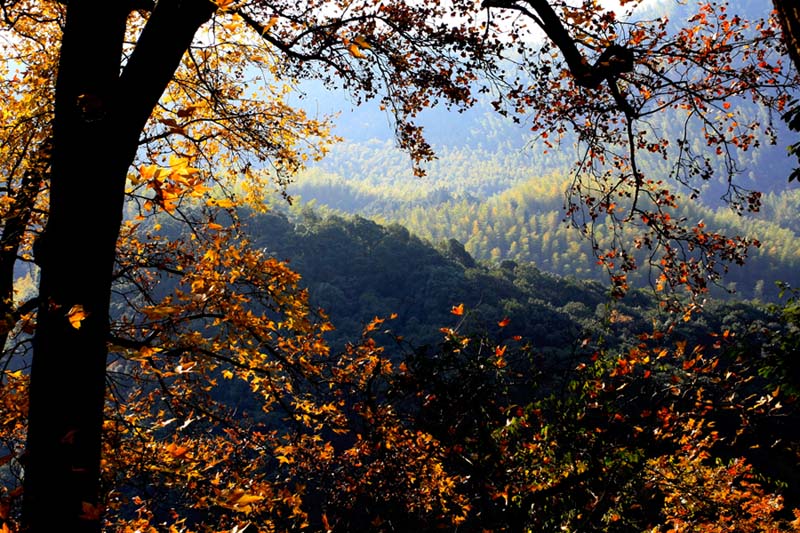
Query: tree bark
{"points": [[100, 112], [789, 16]]}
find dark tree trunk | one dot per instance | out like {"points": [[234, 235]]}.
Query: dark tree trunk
{"points": [[789, 16], [99, 114]]}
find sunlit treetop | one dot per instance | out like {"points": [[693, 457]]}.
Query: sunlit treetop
{"points": [[603, 77]]}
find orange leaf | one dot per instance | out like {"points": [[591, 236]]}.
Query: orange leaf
{"points": [[176, 450], [362, 42], [355, 51], [76, 315], [457, 310], [503, 323]]}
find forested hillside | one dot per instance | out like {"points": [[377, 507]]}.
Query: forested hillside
{"points": [[500, 207], [356, 269], [500, 189]]}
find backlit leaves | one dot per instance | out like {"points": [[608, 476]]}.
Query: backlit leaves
{"points": [[225, 405], [76, 315], [617, 72]]}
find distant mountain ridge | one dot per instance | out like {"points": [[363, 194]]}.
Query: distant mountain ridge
{"points": [[356, 269]]}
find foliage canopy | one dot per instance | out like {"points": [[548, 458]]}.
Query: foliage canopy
{"points": [[208, 398]]}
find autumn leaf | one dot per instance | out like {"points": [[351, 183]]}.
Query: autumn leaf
{"points": [[179, 167], [76, 315], [224, 5], [176, 450], [268, 26], [503, 323], [241, 501], [362, 42], [457, 310], [187, 111], [355, 51], [224, 203]]}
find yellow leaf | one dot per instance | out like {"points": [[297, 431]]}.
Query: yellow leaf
{"points": [[180, 166], [76, 315], [152, 172], [221, 202], [243, 502]]}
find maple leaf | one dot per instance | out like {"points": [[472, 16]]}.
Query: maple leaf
{"points": [[457, 310]]}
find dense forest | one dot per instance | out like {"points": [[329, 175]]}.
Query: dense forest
{"points": [[502, 194], [356, 269], [386, 266]]}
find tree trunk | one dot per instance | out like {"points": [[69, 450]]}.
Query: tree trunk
{"points": [[789, 16], [99, 115]]}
